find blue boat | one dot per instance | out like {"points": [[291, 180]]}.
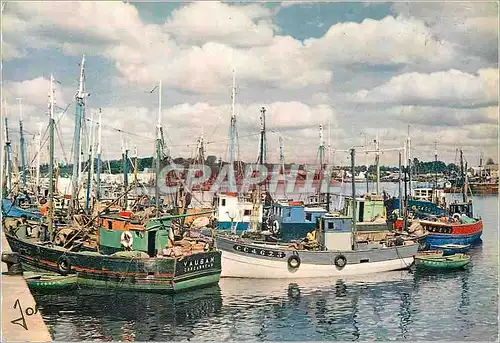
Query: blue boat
{"points": [[293, 220], [10, 210], [419, 208], [451, 249]]}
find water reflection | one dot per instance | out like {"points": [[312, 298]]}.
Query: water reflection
{"points": [[127, 316]]}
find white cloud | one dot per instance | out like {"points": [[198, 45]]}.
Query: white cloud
{"points": [[390, 41], [472, 26], [448, 88], [241, 26]]}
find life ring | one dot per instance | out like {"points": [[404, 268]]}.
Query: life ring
{"points": [[294, 262], [456, 216], [340, 261], [63, 265], [126, 239], [275, 228]]}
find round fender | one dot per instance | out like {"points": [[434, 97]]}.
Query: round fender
{"points": [[340, 261], [63, 265], [126, 239], [294, 262], [275, 228]]}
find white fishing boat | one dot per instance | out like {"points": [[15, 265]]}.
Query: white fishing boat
{"points": [[330, 250], [336, 256]]}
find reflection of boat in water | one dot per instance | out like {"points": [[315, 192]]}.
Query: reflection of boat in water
{"points": [[316, 309], [123, 315]]}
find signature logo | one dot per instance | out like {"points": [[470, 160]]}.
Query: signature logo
{"points": [[259, 252], [21, 321]]}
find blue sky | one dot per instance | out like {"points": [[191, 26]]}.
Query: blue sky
{"points": [[362, 69]]}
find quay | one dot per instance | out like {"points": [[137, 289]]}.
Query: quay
{"points": [[21, 322]]}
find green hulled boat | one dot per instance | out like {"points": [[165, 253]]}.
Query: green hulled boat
{"points": [[45, 281], [442, 262]]}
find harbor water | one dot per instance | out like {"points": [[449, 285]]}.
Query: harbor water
{"points": [[456, 305]]}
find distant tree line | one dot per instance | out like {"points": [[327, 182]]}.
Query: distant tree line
{"points": [[116, 166]]}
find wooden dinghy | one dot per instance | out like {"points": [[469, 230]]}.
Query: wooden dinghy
{"points": [[444, 262], [47, 281], [450, 249]]}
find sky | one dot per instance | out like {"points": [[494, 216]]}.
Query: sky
{"points": [[361, 70]]}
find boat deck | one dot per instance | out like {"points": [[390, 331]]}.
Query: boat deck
{"points": [[16, 296]]}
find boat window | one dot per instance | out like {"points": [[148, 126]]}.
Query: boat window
{"points": [[247, 212], [365, 260], [330, 225], [308, 216], [223, 202], [110, 225]]}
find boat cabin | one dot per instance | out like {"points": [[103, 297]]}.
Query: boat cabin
{"points": [[234, 208], [335, 233], [121, 234], [427, 194], [295, 212], [462, 208], [368, 208]]}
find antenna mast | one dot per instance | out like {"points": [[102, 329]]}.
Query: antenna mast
{"points": [[22, 143], [79, 114], [51, 157], [263, 143]]}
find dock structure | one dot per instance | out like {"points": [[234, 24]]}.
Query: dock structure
{"points": [[21, 321]]}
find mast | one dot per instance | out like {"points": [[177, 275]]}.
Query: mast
{"points": [[377, 163], [39, 143], [353, 184], [329, 143], [135, 165], [22, 143], [158, 153], [79, 113], [51, 157], [399, 186], [99, 149], [232, 131], [282, 162], [464, 177], [435, 172], [8, 160], [263, 143], [321, 149], [409, 161], [90, 171], [125, 173]]}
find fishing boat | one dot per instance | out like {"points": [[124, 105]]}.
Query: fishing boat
{"points": [[133, 258], [11, 210], [331, 250], [444, 262], [450, 249], [461, 228], [47, 282]]}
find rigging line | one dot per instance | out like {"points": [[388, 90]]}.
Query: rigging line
{"points": [[61, 144], [45, 138]]}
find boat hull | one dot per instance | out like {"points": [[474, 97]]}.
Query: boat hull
{"points": [[268, 261], [157, 274], [443, 263], [450, 233], [45, 282]]}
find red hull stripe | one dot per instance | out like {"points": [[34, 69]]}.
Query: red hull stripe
{"points": [[88, 270]]}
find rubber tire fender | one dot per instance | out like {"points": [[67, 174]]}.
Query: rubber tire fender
{"points": [[63, 265], [340, 261], [295, 258]]}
